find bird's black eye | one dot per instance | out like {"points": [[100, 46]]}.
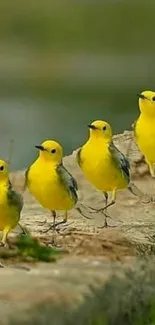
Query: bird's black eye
{"points": [[153, 98], [53, 150], [1, 167], [104, 128]]}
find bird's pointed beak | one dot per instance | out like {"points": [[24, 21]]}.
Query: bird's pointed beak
{"points": [[141, 96], [93, 127], [40, 148]]}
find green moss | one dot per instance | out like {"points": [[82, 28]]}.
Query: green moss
{"points": [[28, 248]]}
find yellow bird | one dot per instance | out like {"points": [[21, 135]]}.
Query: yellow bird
{"points": [[11, 203], [144, 128], [103, 164], [50, 182]]}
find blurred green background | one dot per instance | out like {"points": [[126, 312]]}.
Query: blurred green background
{"points": [[65, 63]]}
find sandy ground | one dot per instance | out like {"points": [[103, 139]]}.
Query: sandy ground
{"points": [[133, 218], [93, 254]]}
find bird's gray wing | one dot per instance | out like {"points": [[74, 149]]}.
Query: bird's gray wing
{"points": [[68, 181], [78, 157], [14, 198], [120, 161]]}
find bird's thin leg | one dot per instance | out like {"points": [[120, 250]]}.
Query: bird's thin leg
{"points": [[104, 210], [24, 232], [106, 200], [105, 214], [54, 229], [63, 221], [54, 217], [94, 210], [4, 238], [113, 200], [54, 225]]}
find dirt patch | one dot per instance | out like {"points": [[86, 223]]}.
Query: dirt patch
{"points": [[133, 217], [90, 257], [108, 244]]}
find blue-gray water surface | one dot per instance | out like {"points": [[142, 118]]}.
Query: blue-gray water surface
{"points": [[30, 121], [65, 63]]}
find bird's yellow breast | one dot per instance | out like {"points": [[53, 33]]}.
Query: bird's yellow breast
{"points": [[44, 184], [9, 214], [99, 168], [145, 137]]}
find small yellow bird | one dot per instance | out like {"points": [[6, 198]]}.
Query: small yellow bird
{"points": [[50, 182], [144, 128], [103, 164], [11, 203]]}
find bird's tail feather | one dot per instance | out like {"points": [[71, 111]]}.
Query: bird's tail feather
{"points": [[145, 198]]}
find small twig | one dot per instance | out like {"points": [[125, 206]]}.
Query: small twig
{"points": [[81, 233]]}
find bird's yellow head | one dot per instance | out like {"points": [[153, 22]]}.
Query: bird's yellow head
{"points": [[4, 172], [100, 129], [50, 150], [147, 102]]}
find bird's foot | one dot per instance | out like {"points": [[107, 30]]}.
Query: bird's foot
{"points": [[145, 199], [23, 229], [53, 242], [66, 226], [102, 210], [2, 244], [106, 225], [51, 227], [54, 226], [94, 210], [81, 212]]}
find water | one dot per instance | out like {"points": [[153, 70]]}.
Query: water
{"points": [[66, 63], [30, 121]]}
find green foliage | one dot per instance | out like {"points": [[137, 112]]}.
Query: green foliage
{"points": [[30, 247]]}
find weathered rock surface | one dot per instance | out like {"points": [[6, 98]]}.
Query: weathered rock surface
{"points": [[134, 217], [94, 254]]}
